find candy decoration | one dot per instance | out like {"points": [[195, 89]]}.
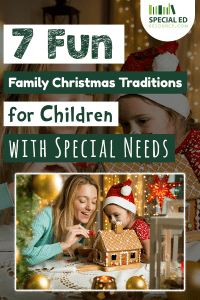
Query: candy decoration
{"points": [[91, 233], [72, 259], [161, 189]]}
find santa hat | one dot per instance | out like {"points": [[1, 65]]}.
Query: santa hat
{"points": [[161, 58], [121, 195]]}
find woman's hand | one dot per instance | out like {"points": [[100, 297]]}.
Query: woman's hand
{"points": [[73, 234], [49, 167]]}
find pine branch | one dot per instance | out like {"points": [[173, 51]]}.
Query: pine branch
{"points": [[26, 207]]}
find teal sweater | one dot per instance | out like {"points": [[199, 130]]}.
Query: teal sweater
{"points": [[5, 198], [42, 246]]}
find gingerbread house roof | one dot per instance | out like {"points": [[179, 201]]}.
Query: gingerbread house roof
{"points": [[111, 241]]}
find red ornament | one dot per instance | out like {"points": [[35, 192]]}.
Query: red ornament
{"points": [[182, 266], [91, 233], [161, 189]]}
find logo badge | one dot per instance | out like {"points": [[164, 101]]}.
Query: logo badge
{"points": [[167, 20]]}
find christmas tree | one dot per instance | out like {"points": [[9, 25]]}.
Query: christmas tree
{"points": [[26, 208]]}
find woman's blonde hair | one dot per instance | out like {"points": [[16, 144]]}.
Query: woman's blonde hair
{"points": [[7, 169], [63, 208]]}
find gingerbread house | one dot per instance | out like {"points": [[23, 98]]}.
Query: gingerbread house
{"points": [[116, 247]]}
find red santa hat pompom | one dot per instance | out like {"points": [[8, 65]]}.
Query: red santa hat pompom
{"points": [[161, 58], [121, 195]]}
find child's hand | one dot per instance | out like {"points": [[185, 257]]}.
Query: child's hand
{"points": [[90, 257], [73, 234]]}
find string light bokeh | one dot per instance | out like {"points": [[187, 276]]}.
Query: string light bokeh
{"points": [[139, 190], [136, 38]]}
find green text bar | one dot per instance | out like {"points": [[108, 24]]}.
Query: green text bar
{"points": [[89, 148], [95, 82]]}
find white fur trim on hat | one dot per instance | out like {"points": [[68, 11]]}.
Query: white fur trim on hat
{"points": [[177, 102], [165, 62], [120, 202]]}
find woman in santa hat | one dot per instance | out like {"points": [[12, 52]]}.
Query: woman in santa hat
{"points": [[119, 206], [160, 113]]}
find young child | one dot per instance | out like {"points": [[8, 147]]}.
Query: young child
{"points": [[160, 114], [119, 206]]}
